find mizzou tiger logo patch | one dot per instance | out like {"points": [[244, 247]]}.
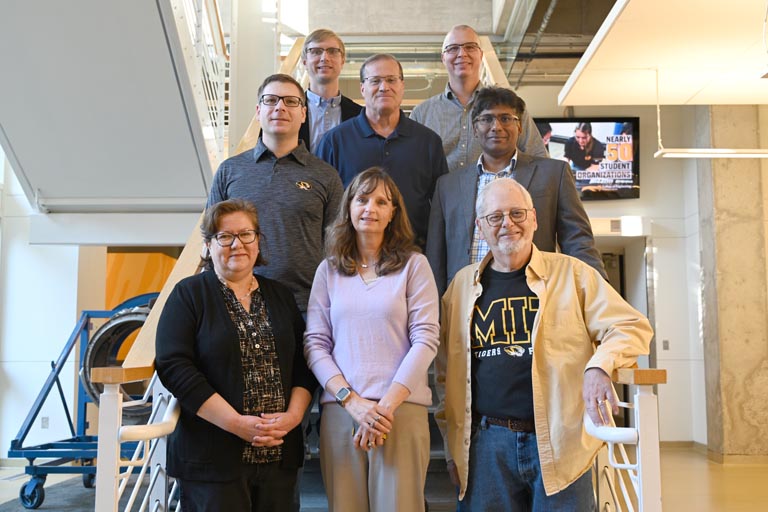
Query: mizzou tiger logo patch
{"points": [[303, 185]]}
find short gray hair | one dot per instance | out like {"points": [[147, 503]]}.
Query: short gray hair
{"points": [[377, 57], [458, 27], [500, 182]]}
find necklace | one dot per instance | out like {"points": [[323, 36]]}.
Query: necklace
{"points": [[366, 265], [250, 290]]}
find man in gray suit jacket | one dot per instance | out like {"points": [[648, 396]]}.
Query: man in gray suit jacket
{"points": [[453, 240]]}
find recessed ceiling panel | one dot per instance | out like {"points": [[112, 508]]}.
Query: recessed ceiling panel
{"points": [[91, 112], [705, 52]]}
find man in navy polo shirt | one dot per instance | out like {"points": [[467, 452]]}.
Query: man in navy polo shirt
{"points": [[382, 135]]}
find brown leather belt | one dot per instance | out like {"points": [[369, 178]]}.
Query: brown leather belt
{"points": [[514, 425]]}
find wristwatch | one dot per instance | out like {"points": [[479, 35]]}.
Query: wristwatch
{"points": [[343, 395]]}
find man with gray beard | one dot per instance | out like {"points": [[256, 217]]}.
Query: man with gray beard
{"points": [[528, 342]]}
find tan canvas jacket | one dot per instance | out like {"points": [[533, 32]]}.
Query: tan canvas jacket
{"points": [[582, 323]]}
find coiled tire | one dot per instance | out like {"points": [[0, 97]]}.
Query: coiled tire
{"points": [[103, 351]]}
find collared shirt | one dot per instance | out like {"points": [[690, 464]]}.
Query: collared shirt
{"points": [[577, 310], [296, 196], [263, 389], [411, 154], [446, 115], [324, 114], [479, 246]]}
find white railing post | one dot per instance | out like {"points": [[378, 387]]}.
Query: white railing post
{"points": [[640, 481], [648, 458], [159, 492], [604, 474], [107, 468]]}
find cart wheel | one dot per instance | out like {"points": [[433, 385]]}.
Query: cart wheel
{"points": [[89, 479], [32, 498]]}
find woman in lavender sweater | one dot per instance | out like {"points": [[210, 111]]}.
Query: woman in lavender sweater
{"points": [[372, 332]]}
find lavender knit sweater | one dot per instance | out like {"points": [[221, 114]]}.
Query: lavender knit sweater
{"points": [[375, 333]]}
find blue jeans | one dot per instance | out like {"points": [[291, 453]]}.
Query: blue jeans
{"points": [[505, 475]]}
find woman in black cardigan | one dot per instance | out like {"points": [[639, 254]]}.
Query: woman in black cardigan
{"points": [[229, 347]]}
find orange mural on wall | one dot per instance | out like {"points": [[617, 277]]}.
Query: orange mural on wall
{"points": [[133, 271]]}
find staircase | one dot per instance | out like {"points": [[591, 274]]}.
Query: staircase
{"points": [[154, 490]]}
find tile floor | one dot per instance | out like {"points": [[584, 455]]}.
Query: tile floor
{"points": [[689, 482]]}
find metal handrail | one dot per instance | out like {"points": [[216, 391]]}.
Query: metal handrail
{"points": [[217, 28], [611, 434], [199, 22], [644, 473], [155, 430]]}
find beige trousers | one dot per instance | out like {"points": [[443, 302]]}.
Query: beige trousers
{"points": [[388, 478]]}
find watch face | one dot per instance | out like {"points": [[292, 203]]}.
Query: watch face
{"points": [[342, 395]]}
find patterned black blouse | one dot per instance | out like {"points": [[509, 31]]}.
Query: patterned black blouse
{"points": [[263, 392]]}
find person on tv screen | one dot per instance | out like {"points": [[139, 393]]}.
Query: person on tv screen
{"points": [[545, 130], [583, 151]]}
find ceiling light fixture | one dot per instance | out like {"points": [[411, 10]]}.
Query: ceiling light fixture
{"points": [[663, 152], [710, 153]]}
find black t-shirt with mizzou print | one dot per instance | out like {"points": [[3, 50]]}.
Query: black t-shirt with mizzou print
{"points": [[502, 323]]}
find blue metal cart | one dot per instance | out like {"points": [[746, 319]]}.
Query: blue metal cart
{"points": [[80, 448]]}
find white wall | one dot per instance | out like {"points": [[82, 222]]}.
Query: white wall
{"points": [[38, 299], [668, 198]]}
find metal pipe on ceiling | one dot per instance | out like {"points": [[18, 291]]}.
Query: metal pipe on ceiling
{"points": [[539, 35]]}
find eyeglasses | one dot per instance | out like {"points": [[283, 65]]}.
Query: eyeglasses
{"points": [[453, 49], [517, 216], [225, 239], [271, 100], [318, 52], [486, 120], [375, 81]]}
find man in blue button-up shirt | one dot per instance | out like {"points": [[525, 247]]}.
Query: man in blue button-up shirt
{"points": [[323, 56]]}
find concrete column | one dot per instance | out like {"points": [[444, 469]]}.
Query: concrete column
{"points": [[254, 50], [732, 204]]}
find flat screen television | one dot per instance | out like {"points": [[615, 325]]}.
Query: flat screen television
{"points": [[602, 151]]}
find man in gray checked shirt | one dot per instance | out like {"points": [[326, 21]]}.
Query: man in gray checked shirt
{"points": [[447, 114]]}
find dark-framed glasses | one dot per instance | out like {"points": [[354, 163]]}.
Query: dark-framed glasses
{"points": [[486, 120], [318, 52], [453, 49], [225, 239], [517, 216], [375, 81], [271, 100]]}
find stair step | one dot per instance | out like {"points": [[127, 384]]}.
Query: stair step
{"points": [[439, 491]]}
